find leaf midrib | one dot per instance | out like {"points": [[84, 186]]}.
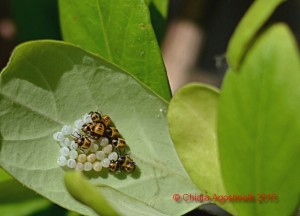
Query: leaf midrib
{"points": [[104, 31]]}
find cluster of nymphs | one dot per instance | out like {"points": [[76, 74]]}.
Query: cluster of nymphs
{"points": [[93, 144]]}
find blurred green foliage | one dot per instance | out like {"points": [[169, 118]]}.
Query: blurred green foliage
{"points": [[36, 19]]}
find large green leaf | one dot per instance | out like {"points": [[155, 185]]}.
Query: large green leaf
{"points": [[259, 124], [192, 123], [247, 29], [119, 32], [48, 84], [15, 199]]}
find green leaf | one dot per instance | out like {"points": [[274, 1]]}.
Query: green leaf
{"points": [[121, 33], [161, 6], [258, 126], [247, 29], [4, 176], [49, 84], [158, 10], [88, 194], [192, 123], [16, 199]]}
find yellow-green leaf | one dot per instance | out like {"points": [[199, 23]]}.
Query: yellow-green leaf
{"points": [[259, 124], [247, 29]]}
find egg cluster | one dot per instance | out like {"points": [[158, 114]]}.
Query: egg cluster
{"points": [[92, 144]]}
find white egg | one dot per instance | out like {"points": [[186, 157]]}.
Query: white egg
{"points": [[103, 141], [73, 145], [71, 163], [66, 129], [87, 118], [87, 166], [73, 154], [81, 158], [91, 158], [107, 149], [65, 142], [75, 132], [94, 148], [64, 151], [78, 123], [100, 155], [105, 163], [61, 161], [97, 166], [58, 136], [113, 156], [79, 166]]}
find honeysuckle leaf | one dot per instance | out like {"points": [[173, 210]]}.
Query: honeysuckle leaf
{"points": [[259, 124], [192, 122], [49, 84], [247, 29], [119, 32]]}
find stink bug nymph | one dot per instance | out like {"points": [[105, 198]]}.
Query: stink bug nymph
{"points": [[118, 143], [129, 167], [82, 141], [106, 120], [112, 132], [87, 128], [95, 116], [114, 166], [126, 163], [98, 129]]}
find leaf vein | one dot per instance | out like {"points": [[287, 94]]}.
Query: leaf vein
{"points": [[7, 97], [104, 32]]}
